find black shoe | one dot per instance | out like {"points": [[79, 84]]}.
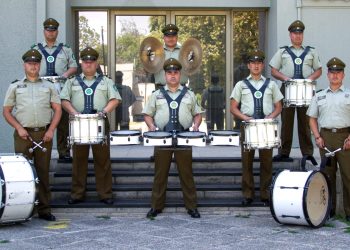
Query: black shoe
{"points": [[247, 201], [108, 201], [281, 157], [194, 213], [347, 218], [65, 158], [265, 202], [153, 213], [48, 217], [72, 201]]}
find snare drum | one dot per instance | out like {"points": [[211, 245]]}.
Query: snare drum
{"points": [[18, 182], [301, 198], [86, 129], [224, 137], [299, 92], [261, 134], [157, 138], [191, 138], [125, 137]]}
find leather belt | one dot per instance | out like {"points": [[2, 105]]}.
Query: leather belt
{"points": [[37, 129], [337, 130]]}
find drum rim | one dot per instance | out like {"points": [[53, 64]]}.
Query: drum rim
{"points": [[213, 132], [200, 134], [306, 187], [132, 133], [149, 134], [272, 210], [3, 193], [265, 120]]}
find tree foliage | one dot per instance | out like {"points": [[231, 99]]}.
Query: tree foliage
{"points": [[87, 36]]}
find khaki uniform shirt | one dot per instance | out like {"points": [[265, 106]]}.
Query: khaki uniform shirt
{"points": [[105, 91], [331, 108], [158, 108], [283, 62], [242, 94], [160, 75], [32, 102], [65, 59]]}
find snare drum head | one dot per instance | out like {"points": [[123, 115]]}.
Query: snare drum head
{"points": [[223, 132], [157, 134], [317, 199], [190, 134], [126, 133]]}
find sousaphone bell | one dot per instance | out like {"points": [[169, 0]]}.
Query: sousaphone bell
{"points": [[190, 56], [152, 54]]}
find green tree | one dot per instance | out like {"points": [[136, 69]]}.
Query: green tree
{"points": [[87, 36]]}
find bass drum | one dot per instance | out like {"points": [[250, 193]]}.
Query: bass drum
{"points": [[18, 189], [301, 198]]}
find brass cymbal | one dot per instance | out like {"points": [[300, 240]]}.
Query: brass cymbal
{"points": [[152, 54], [190, 56]]}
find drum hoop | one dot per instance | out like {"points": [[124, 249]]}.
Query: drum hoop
{"points": [[3, 196], [271, 195], [299, 81], [147, 135], [199, 135], [131, 133], [306, 187], [261, 121], [217, 133]]}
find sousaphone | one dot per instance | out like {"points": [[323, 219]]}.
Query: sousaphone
{"points": [[152, 54], [190, 56]]}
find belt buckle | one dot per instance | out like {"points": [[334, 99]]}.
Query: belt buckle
{"points": [[334, 130], [36, 129]]}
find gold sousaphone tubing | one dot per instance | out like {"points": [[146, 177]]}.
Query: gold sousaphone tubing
{"points": [[152, 54]]}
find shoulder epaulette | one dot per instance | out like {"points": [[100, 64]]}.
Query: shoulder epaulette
{"points": [[66, 45], [71, 76], [312, 47], [317, 91], [35, 44], [14, 81], [283, 47]]}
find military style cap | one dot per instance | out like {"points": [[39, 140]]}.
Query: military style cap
{"points": [[256, 56], [296, 26], [51, 24], [170, 30], [32, 55], [172, 64], [88, 54], [335, 64]]}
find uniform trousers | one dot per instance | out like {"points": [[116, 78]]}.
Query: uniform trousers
{"points": [[41, 161], [304, 132], [62, 134], [162, 162], [265, 156], [334, 141], [102, 167]]}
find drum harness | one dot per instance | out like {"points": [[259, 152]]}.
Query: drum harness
{"points": [[89, 94], [173, 124], [258, 96], [298, 61], [50, 59]]}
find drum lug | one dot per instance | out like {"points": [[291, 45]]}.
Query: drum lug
{"points": [[36, 202], [2, 205], [2, 182], [36, 180]]}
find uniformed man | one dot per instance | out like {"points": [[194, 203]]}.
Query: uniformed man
{"points": [[32, 106], [295, 61], [213, 100], [171, 50], [90, 93], [122, 114], [58, 61], [260, 98], [330, 123], [173, 97]]}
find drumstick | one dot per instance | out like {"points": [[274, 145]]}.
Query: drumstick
{"points": [[31, 150]]}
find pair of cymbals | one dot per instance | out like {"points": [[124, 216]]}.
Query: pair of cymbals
{"points": [[152, 55]]}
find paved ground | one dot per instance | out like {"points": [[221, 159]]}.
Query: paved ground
{"points": [[232, 230]]}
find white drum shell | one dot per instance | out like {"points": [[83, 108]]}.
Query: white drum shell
{"points": [[154, 138], [223, 138], [86, 129], [299, 92], [288, 201], [261, 134], [20, 189], [125, 137], [197, 139]]}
